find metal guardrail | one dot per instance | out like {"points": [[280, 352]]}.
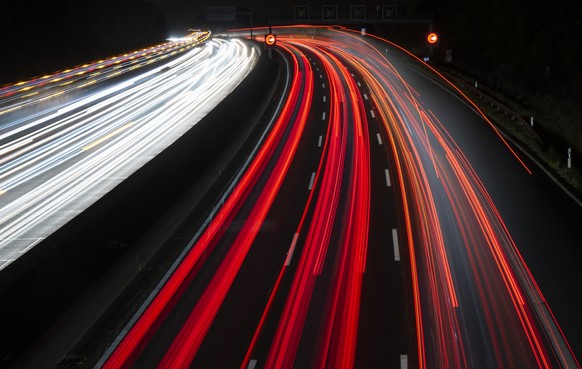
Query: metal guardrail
{"points": [[573, 192], [515, 117]]}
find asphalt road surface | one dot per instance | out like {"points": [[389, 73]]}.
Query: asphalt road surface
{"points": [[380, 221], [362, 233]]}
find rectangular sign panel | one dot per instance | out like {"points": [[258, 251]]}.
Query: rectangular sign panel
{"points": [[220, 13], [389, 12], [301, 12], [329, 12], [358, 12]]}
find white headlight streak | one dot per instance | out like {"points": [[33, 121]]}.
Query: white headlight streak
{"points": [[56, 163]]}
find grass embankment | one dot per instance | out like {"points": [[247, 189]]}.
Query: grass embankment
{"points": [[556, 127]]}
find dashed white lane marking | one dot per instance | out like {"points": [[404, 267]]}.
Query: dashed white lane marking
{"points": [[387, 174], [395, 244], [403, 361], [291, 249], [311, 181], [379, 138], [320, 141]]}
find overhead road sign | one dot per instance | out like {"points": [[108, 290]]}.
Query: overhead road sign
{"points": [[329, 12], [389, 12], [301, 13], [358, 12]]}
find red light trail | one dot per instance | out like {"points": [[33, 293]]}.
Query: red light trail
{"points": [[150, 320], [475, 302]]}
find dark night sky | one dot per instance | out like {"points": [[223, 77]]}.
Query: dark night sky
{"points": [[528, 49], [513, 40], [179, 12], [525, 48], [46, 37]]}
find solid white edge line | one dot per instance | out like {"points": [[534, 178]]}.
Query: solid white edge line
{"points": [[311, 181], [403, 361], [291, 249], [387, 174], [395, 244]]}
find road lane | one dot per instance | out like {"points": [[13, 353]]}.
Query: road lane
{"points": [[454, 215], [455, 233], [132, 343], [442, 251], [321, 256], [54, 166]]}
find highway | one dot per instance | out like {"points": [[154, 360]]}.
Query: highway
{"points": [[69, 138], [297, 246], [359, 234], [379, 220]]}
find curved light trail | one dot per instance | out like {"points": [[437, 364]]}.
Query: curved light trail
{"points": [[56, 159], [333, 233], [473, 301], [185, 346], [339, 324], [476, 305]]}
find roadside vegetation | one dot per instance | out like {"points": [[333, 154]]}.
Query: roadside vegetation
{"points": [[526, 56], [550, 138]]}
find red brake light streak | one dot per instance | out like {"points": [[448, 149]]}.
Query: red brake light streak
{"points": [[464, 265]]}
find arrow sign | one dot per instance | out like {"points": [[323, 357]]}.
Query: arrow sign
{"points": [[301, 12], [330, 12], [389, 12], [358, 12]]}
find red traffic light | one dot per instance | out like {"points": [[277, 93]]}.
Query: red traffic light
{"points": [[432, 38]]}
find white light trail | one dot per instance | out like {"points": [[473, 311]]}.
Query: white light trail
{"points": [[56, 164]]}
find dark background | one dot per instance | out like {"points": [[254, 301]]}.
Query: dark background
{"points": [[522, 47], [40, 38], [528, 50]]}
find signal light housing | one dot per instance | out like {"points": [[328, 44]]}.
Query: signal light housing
{"points": [[270, 41], [432, 39]]}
